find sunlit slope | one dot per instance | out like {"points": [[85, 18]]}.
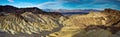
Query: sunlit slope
{"points": [[94, 24], [27, 23], [93, 18]]}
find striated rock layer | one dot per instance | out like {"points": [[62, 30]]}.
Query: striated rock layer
{"points": [[94, 24], [27, 23]]}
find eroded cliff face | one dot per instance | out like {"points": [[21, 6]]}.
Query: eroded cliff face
{"points": [[27, 23], [96, 18], [43, 24], [94, 24]]}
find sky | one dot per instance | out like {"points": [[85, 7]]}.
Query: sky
{"points": [[64, 4]]}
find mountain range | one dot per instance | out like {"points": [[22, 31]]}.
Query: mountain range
{"points": [[35, 22]]}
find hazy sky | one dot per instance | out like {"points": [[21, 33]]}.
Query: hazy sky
{"points": [[64, 4]]}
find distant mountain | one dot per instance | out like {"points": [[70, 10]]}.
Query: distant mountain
{"points": [[70, 12], [74, 10], [11, 9], [15, 10]]}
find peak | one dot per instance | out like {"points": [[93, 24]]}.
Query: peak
{"points": [[112, 11], [12, 9], [31, 8]]}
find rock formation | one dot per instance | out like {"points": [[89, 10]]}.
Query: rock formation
{"points": [[28, 21], [94, 24]]}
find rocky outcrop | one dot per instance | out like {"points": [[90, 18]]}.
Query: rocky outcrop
{"points": [[95, 18], [94, 24], [27, 21]]}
